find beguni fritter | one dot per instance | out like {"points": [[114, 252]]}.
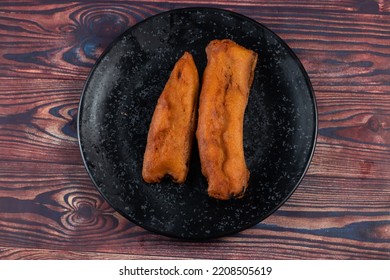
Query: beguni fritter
{"points": [[226, 84], [173, 124]]}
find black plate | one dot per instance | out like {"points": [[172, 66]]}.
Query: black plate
{"points": [[118, 101]]}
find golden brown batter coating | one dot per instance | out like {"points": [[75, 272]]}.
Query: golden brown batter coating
{"points": [[173, 124], [224, 95]]}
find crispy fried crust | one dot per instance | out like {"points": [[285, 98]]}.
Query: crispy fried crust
{"points": [[224, 95], [173, 124]]}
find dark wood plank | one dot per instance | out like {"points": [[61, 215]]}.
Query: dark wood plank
{"points": [[71, 43], [50, 212], [42, 254], [49, 207]]}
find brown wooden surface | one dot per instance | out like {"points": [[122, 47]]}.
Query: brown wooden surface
{"points": [[49, 208]]}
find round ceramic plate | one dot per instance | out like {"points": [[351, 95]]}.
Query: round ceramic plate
{"points": [[119, 98]]}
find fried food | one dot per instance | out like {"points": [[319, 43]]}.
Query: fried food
{"points": [[172, 128], [223, 99]]}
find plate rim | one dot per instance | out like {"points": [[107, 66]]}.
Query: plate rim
{"points": [[300, 65]]}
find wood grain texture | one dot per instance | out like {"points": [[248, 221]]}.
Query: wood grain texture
{"points": [[49, 208]]}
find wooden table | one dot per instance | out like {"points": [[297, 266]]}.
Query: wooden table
{"points": [[49, 208]]}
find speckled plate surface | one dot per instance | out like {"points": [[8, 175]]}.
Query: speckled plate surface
{"points": [[118, 101]]}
